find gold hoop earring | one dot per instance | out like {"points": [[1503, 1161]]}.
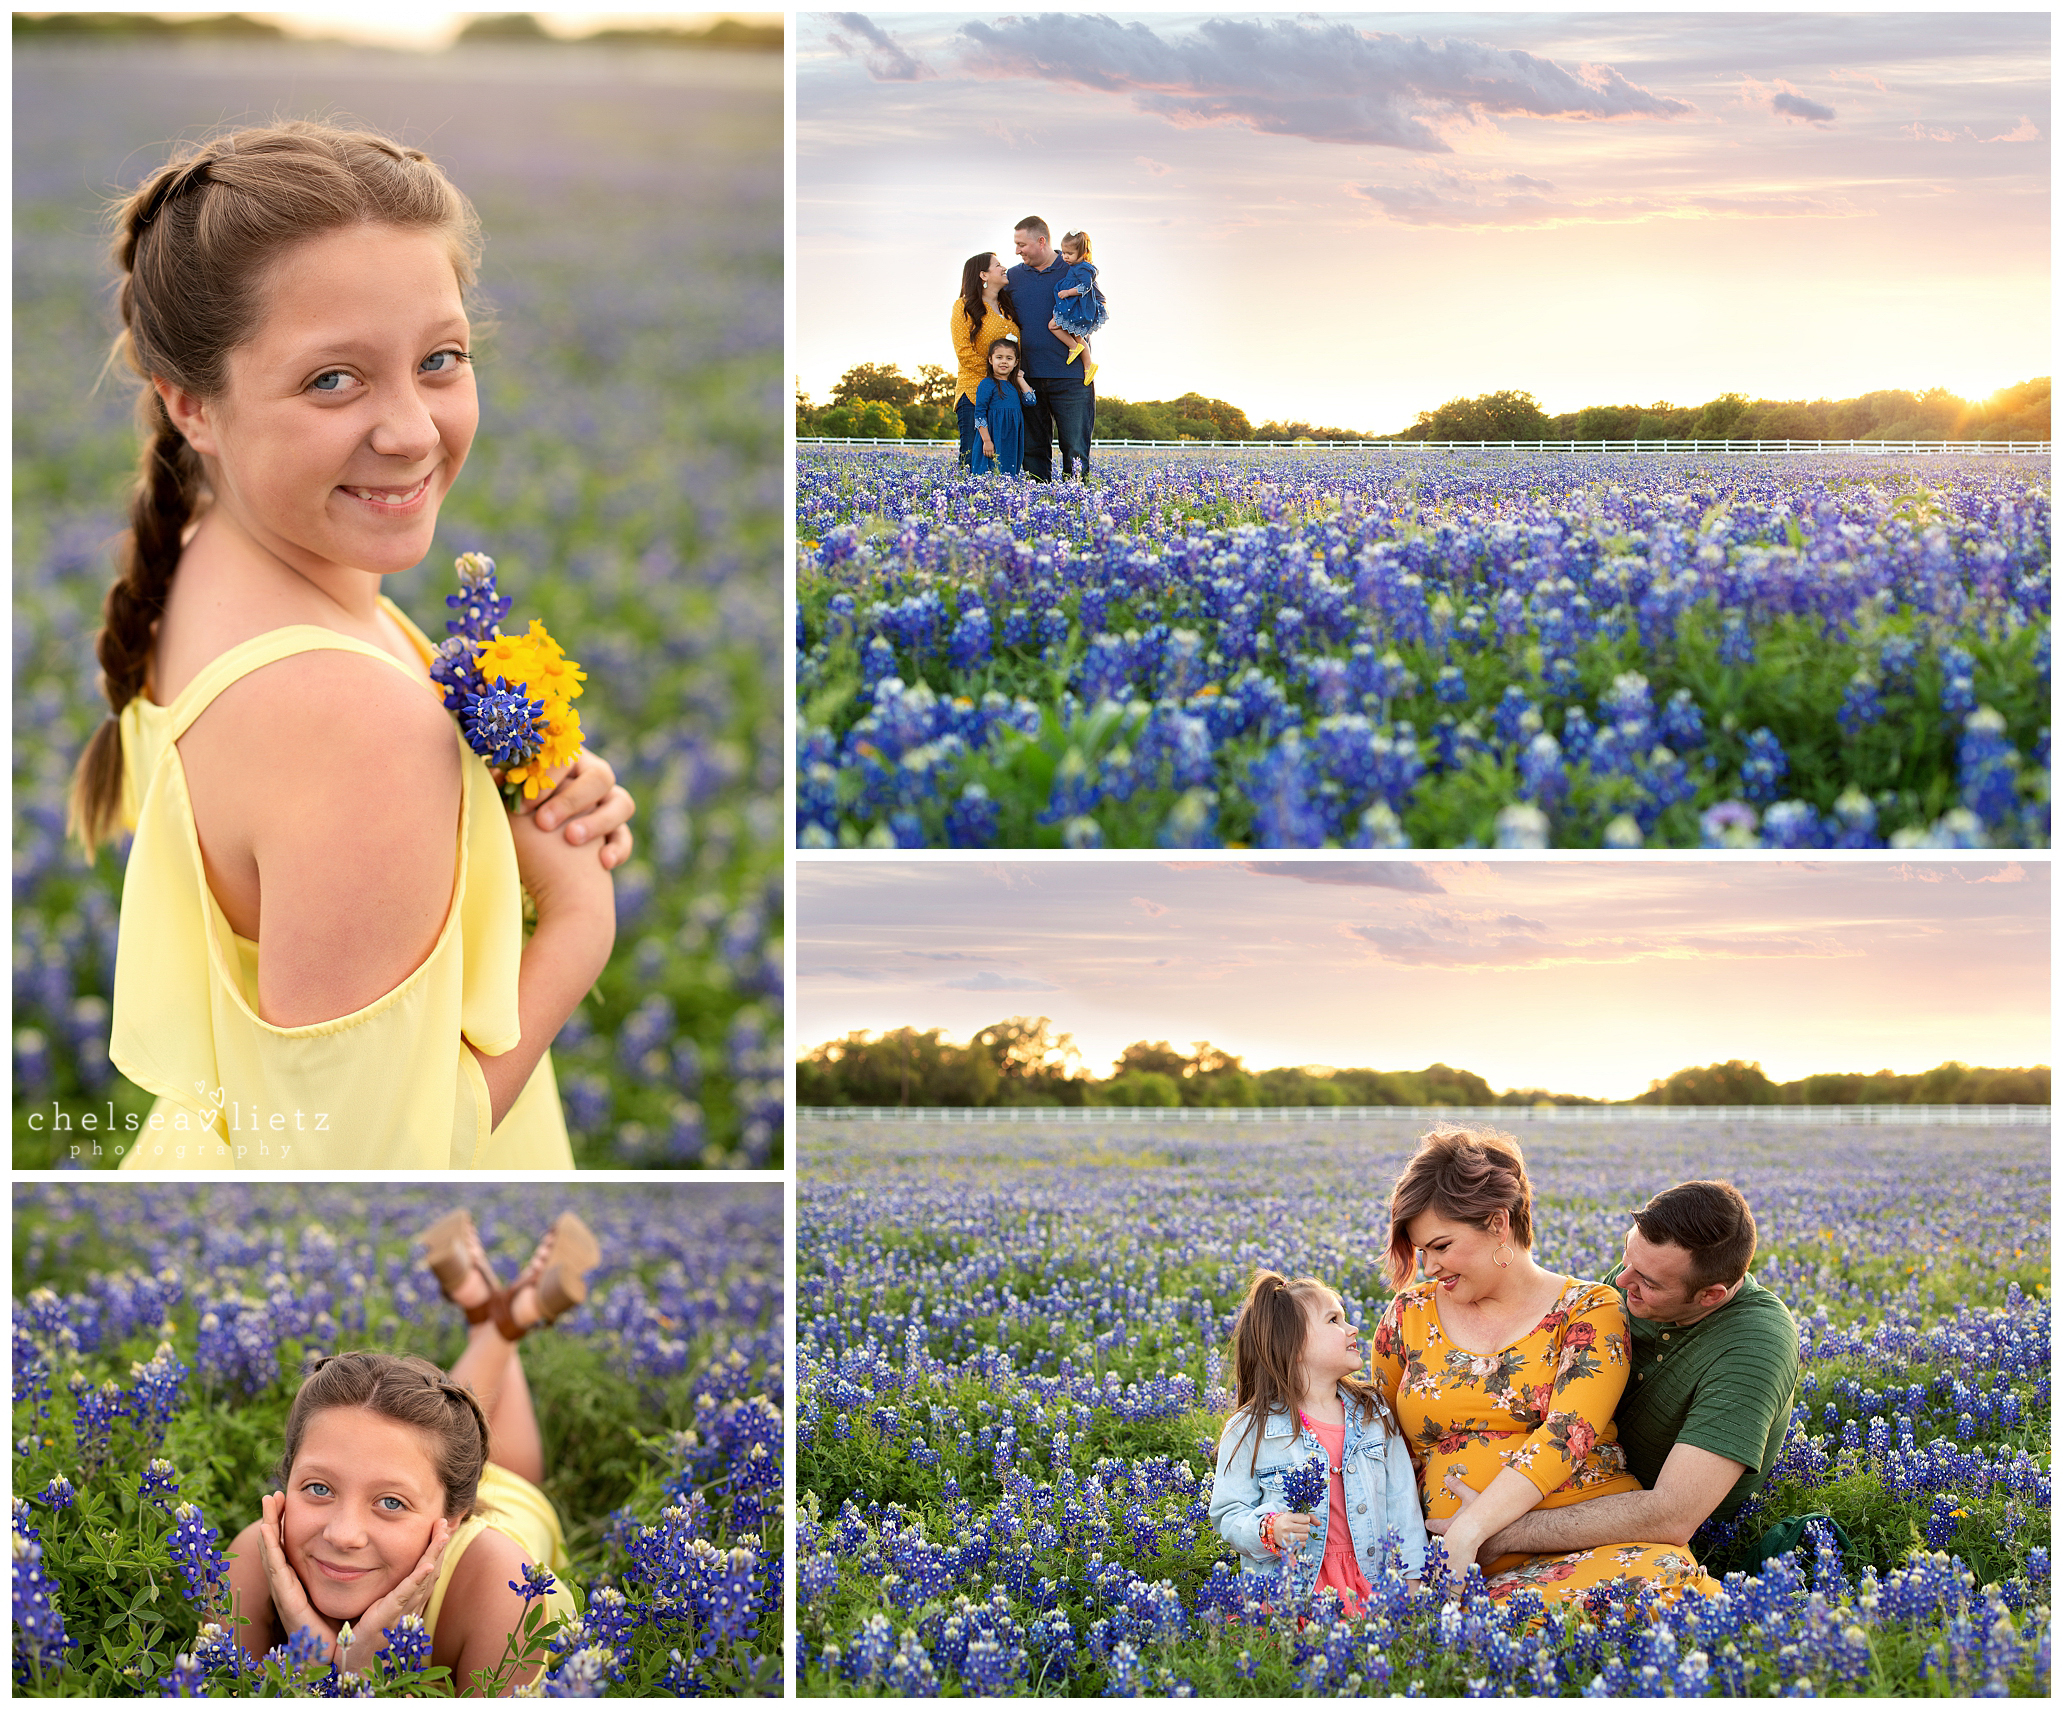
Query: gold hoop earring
{"points": [[1502, 1257]]}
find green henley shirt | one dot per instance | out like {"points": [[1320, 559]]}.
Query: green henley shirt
{"points": [[1724, 1383]]}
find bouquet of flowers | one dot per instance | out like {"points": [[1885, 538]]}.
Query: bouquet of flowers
{"points": [[513, 695]]}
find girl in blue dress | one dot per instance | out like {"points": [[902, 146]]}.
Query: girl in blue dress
{"points": [[1078, 309], [999, 412]]}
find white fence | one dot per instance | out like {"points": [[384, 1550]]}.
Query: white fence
{"points": [[1799, 1115], [1635, 447]]}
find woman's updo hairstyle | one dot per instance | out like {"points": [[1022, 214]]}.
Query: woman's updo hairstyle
{"points": [[194, 243], [409, 1390], [1467, 1174]]}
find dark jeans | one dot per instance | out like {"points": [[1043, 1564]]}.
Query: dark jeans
{"points": [[963, 409], [1066, 409]]}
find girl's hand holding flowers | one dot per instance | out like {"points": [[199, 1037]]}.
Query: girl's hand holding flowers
{"points": [[592, 806], [513, 697]]}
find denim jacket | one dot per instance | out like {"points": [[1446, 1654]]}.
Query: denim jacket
{"points": [[1381, 1493]]}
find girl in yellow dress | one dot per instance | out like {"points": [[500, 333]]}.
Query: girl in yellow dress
{"points": [[322, 961], [1503, 1375], [404, 1492]]}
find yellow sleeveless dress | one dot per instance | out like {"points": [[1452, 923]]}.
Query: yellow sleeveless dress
{"points": [[388, 1087], [510, 1504]]}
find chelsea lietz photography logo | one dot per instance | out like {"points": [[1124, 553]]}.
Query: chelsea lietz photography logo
{"points": [[218, 1129]]}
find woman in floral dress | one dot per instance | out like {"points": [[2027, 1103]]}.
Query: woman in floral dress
{"points": [[1504, 1375]]}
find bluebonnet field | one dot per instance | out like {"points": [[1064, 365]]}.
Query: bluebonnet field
{"points": [[1011, 1376], [159, 1336], [1293, 650], [626, 480]]}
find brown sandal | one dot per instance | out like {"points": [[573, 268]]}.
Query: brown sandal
{"points": [[450, 1260], [561, 1284]]}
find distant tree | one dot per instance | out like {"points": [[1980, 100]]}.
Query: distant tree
{"points": [[1158, 1058], [885, 383], [905, 1067], [1494, 415], [875, 419], [936, 386], [1140, 1087], [1034, 1063], [1731, 1082], [504, 27]]}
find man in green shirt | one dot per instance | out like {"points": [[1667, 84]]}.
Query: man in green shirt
{"points": [[1707, 1403]]}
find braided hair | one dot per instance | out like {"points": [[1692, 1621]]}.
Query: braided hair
{"points": [[409, 1390], [195, 244]]}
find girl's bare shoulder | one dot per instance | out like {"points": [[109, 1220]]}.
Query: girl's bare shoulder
{"points": [[484, 1573]]}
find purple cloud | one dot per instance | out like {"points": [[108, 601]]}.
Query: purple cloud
{"points": [[1789, 106], [1323, 81], [858, 37]]}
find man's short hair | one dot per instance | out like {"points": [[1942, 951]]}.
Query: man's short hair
{"points": [[1032, 223], [1711, 1222]]}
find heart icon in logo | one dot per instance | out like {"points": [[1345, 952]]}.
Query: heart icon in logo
{"points": [[201, 1087]]}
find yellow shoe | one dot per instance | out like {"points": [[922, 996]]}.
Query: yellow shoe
{"points": [[1075, 352], [1089, 379]]}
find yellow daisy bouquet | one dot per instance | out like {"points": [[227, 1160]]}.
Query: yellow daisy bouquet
{"points": [[513, 695]]}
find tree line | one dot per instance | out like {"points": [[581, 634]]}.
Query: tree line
{"points": [[1027, 1061], [878, 401]]}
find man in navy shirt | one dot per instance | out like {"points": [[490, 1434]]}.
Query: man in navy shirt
{"points": [[1066, 403]]}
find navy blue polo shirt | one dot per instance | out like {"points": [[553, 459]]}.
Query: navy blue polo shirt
{"points": [[1034, 292]]}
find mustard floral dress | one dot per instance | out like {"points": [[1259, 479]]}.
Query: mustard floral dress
{"points": [[1542, 1406]]}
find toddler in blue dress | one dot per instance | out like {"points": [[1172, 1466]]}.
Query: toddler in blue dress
{"points": [[1078, 309], [999, 412]]}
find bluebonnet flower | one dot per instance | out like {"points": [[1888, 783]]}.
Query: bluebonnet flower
{"points": [[1987, 769], [1521, 826], [1683, 722], [58, 1492], [1541, 773], [1736, 643], [536, 1582], [1764, 767], [1305, 1484], [1861, 706], [971, 820], [194, 1553], [1792, 825], [40, 1640], [160, 1481], [501, 724]]}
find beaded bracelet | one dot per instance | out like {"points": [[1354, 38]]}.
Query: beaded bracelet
{"points": [[1268, 1542]]}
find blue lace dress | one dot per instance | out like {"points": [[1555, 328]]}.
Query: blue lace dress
{"points": [[1084, 314], [1003, 409]]}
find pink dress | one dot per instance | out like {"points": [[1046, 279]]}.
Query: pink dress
{"points": [[1339, 1569]]}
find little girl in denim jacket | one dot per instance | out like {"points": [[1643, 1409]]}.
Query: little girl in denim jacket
{"points": [[1298, 1399]]}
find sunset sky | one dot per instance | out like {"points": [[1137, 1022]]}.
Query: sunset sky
{"points": [[1350, 217], [1591, 977]]}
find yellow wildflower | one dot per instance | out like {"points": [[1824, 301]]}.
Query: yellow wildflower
{"points": [[535, 661]]}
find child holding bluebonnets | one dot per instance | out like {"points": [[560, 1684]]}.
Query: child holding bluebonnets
{"points": [[294, 303], [1313, 1475]]}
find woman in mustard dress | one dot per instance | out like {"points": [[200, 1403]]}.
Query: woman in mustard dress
{"points": [[293, 299], [408, 1494], [1503, 1375], [981, 314]]}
